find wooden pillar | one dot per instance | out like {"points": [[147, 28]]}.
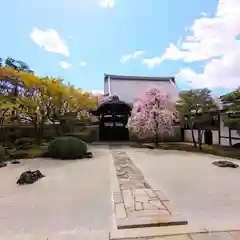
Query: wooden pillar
{"points": [[219, 128], [230, 136], [230, 133]]}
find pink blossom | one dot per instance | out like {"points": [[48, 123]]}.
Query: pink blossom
{"points": [[152, 114]]}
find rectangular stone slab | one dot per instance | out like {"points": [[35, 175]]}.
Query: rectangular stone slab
{"points": [[170, 220], [150, 233]]}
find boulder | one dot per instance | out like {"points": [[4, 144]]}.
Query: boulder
{"points": [[15, 162], [3, 164], [88, 155], [29, 177], [225, 164]]}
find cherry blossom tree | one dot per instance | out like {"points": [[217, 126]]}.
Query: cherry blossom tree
{"points": [[152, 115]]}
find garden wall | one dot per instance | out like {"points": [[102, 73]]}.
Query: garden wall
{"points": [[11, 133], [223, 136], [176, 137]]}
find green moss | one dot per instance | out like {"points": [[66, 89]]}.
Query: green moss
{"points": [[206, 149]]}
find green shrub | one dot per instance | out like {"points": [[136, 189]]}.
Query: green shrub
{"points": [[18, 155], [67, 148], [236, 145], [84, 136], [11, 136], [2, 153], [24, 141], [24, 146]]}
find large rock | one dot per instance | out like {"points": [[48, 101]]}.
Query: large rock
{"points": [[225, 164], [3, 164], [29, 177], [15, 162], [88, 155]]}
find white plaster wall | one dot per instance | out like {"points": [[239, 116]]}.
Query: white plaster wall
{"points": [[129, 90], [188, 135], [235, 141], [215, 136], [224, 133], [235, 134]]}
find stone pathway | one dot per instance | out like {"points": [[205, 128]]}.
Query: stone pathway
{"points": [[136, 204], [211, 208]]}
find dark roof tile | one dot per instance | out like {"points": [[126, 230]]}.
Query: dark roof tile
{"points": [[141, 78]]}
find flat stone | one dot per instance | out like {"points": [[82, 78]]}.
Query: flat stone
{"points": [[136, 175], [139, 192], [133, 239], [151, 232], [235, 234], [157, 203], [168, 220], [212, 236], [122, 174], [120, 211], [161, 195], [131, 181], [171, 208], [149, 213], [130, 210], [148, 206], [140, 195], [138, 206], [128, 198], [150, 193], [118, 197], [177, 237]]}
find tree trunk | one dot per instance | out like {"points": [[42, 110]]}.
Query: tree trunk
{"points": [[156, 140], [193, 138], [56, 126], [156, 132], [40, 130], [200, 139]]}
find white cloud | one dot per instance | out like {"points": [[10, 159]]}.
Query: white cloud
{"points": [[64, 64], [107, 3], [204, 14], [215, 41], [152, 62], [131, 56], [50, 41], [97, 92], [221, 72], [82, 64]]}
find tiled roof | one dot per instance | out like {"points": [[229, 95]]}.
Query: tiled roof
{"points": [[142, 78]]}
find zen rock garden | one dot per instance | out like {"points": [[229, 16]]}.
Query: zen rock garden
{"points": [[145, 180]]}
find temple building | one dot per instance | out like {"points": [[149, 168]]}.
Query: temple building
{"points": [[121, 92], [128, 88]]}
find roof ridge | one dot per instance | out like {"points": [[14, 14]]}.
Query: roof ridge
{"points": [[125, 77]]}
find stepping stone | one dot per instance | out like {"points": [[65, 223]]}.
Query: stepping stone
{"points": [[225, 164], [3, 164], [153, 221], [15, 162]]}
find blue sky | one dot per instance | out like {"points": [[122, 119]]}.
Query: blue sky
{"points": [[80, 40]]}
